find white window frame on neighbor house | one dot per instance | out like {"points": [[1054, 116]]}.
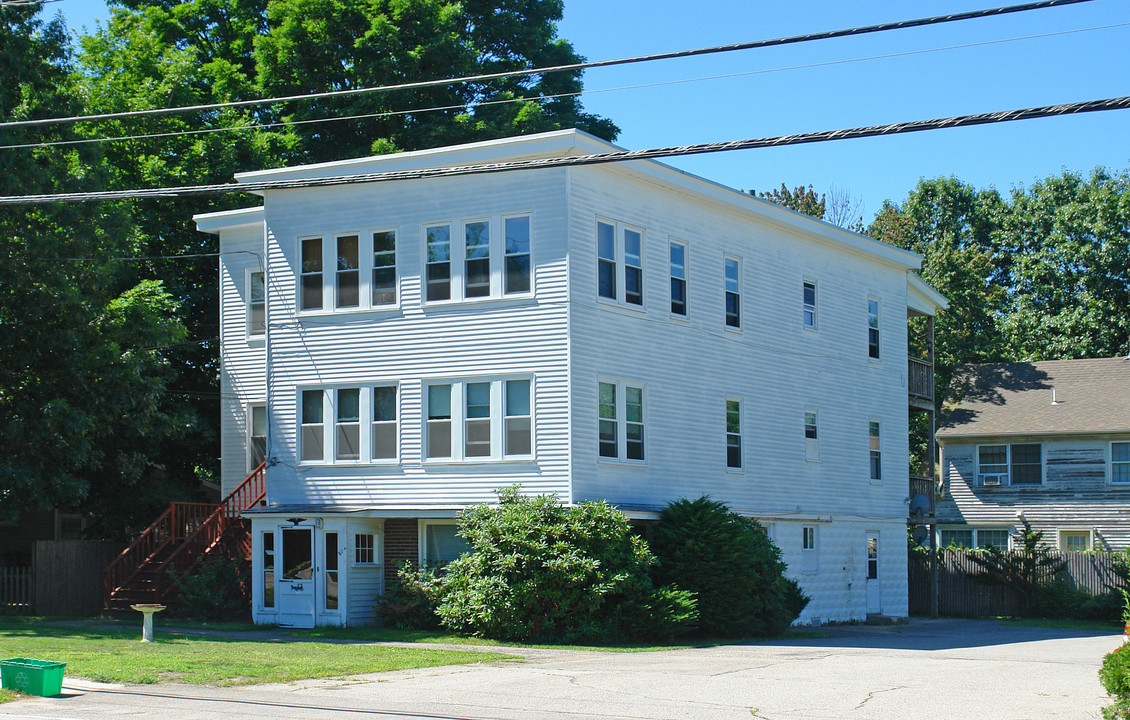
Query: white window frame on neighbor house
{"points": [[626, 262], [732, 288], [360, 271], [1066, 534], [423, 528], [333, 425], [874, 337], [809, 319], [875, 450], [976, 541], [678, 277], [811, 417], [461, 423], [256, 329], [252, 409], [732, 407], [620, 422], [994, 475], [1119, 461], [497, 252]]}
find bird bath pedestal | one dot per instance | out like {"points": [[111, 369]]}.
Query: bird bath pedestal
{"points": [[147, 623]]}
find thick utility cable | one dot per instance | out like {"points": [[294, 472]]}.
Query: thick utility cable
{"points": [[848, 32], [538, 98], [1119, 103]]}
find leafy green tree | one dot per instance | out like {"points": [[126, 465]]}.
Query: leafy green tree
{"points": [[802, 199], [542, 571], [730, 564]]}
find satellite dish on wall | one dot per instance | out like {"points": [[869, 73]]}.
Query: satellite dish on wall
{"points": [[921, 535], [920, 505]]}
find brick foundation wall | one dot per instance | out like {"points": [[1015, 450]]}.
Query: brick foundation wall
{"points": [[401, 543]]}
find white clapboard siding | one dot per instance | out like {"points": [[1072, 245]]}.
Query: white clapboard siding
{"points": [[242, 360], [1076, 493], [774, 365]]}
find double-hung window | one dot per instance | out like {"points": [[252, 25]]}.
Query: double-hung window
{"points": [[733, 434], [256, 435], [808, 292], [1120, 462], [678, 260], [487, 419], [1015, 464], [481, 258], [732, 271], [873, 328], [875, 448], [619, 262], [811, 435], [373, 408], [348, 271], [256, 304], [620, 421]]}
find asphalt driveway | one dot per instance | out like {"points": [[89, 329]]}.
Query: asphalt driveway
{"points": [[940, 668]]}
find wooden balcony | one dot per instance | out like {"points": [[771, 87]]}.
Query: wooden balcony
{"points": [[920, 383], [924, 486]]}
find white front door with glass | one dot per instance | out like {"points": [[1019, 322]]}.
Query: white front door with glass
{"points": [[295, 593]]}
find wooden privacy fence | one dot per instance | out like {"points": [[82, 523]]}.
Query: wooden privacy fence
{"points": [[959, 594], [16, 589], [68, 575]]}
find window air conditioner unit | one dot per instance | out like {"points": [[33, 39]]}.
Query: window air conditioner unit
{"points": [[994, 479]]}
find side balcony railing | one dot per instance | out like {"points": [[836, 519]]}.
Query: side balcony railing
{"points": [[921, 379], [921, 496]]}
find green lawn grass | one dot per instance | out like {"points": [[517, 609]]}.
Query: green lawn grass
{"points": [[6, 695], [116, 655]]}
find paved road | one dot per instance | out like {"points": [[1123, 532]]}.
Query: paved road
{"points": [[941, 668]]}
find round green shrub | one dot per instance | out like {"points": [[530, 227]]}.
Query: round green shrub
{"points": [[1115, 676], [543, 572], [730, 564]]}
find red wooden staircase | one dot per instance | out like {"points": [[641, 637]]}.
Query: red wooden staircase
{"points": [[185, 534]]}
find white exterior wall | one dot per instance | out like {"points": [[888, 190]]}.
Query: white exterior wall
{"points": [[416, 342], [242, 366], [774, 365], [1076, 494]]}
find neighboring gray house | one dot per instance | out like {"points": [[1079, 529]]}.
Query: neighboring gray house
{"points": [[1045, 441]]}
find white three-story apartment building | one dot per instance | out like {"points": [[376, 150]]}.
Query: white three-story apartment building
{"points": [[398, 350]]}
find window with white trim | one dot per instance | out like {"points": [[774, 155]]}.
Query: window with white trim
{"points": [[1075, 540], [811, 435], [873, 328], [256, 435], [875, 449], [1017, 464], [619, 262], [481, 419], [809, 552], [1120, 462], [732, 274], [440, 543], [364, 425], [477, 258], [734, 434], [256, 304], [974, 537], [364, 549], [677, 253], [620, 420], [809, 298], [348, 271]]}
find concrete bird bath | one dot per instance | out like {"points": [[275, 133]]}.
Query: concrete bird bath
{"points": [[147, 623]]}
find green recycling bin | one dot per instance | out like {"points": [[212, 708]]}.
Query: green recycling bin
{"points": [[34, 677]]}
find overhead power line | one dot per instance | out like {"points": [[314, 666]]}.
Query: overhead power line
{"points": [[486, 103], [1118, 103], [756, 44]]}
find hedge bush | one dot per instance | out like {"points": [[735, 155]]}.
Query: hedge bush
{"points": [[1115, 676], [543, 572], [730, 564]]}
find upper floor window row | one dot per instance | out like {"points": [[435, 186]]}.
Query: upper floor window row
{"points": [[619, 263], [1012, 464], [1120, 462], [463, 260]]}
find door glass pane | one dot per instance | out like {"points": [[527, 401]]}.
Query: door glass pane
{"points": [[297, 554], [331, 571]]}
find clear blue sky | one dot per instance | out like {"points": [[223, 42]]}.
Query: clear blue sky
{"points": [[773, 94]]}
